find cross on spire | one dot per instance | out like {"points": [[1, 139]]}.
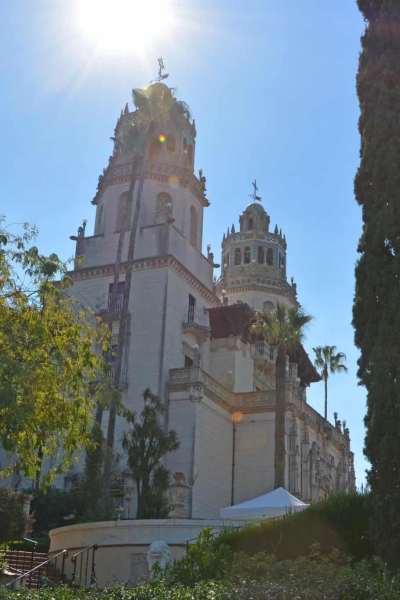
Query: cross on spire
{"points": [[254, 194], [161, 68]]}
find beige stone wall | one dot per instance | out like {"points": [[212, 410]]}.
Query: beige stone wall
{"points": [[254, 455], [123, 545], [212, 460]]}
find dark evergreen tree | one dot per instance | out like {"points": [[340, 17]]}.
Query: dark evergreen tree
{"points": [[146, 443], [376, 314]]}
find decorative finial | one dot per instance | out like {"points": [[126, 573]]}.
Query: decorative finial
{"points": [[254, 194], [161, 68]]}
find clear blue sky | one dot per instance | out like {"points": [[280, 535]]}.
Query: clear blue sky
{"points": [[272, 87]]}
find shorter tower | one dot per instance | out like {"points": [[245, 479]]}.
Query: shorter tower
{"points": [[253, 265]]}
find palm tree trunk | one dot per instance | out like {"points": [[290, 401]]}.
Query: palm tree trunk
{"points": [[123, 324], [280, 412]]}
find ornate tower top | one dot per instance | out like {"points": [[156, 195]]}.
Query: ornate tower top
{"points": [[254, 261]]}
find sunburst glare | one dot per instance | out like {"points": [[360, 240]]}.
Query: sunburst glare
{"points": [[120, 26]]}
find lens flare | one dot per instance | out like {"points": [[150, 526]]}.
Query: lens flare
{"points": [[161, 137], [173, 181]]}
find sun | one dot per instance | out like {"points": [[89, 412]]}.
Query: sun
{"points": [[120, 26]]}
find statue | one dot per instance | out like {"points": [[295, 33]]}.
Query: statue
{"points": [[202, 180], [159, 553]]}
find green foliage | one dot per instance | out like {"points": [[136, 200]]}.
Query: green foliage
{"points": [[285, 328], [341, 521], [376, 317], [146, 443], [52, 507], [49, 508], [13, 522], [203, 561], [47, 359], [3, 563], [87, 487], [319, 578], [327, 360]]}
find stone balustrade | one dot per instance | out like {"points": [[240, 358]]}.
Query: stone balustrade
{"points": [[195, 376]]}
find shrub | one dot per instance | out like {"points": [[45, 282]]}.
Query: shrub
{"points": [[202, 561], [49, 508], [13, 521], [340, 521]]}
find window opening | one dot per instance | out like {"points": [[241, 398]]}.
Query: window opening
{"points": [[270, 257], [238, 256]]}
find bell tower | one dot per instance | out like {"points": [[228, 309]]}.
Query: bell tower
{"points": [[149, 193], [253, 263]]}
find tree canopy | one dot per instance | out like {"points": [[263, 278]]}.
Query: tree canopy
{"points": [[146, 443], [284, 326], [327, 360], [50, 352], [376, 315]]}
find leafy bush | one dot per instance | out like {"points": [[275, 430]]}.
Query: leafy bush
{"points": [[203, 561], [323, 578], [13, 521], [49, 508], [340, 521]]}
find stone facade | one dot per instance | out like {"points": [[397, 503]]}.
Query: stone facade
{"points": [[188, 337]]}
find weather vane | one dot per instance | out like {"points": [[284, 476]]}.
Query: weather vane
{"points": [[254, 194], [161, 68]]}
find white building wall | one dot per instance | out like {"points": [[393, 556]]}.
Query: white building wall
{"points": [[254, 456], [213, 460]]}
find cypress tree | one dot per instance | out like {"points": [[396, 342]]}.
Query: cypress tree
{"points": [[376, 311]]}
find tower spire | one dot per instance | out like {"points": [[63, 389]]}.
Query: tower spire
{"points": [[161, 68], [254, 194]]}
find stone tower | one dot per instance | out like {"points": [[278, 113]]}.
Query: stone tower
{"points": [[254, 263], [172, 282]]}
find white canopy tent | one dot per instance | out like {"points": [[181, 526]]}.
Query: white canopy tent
{"points": [[275, 504]]}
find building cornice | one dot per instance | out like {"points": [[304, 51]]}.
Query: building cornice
{"points": [[145, 264], [122, 173]]}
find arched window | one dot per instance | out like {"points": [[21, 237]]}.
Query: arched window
{"points": [[270, 257], [227, 259], [260, 254], [123, 218], [281, 260], [193, 226], [268, 306], [250, 223], [99, 220], [164, 207], [238, 256], [190, 154], [155, 148], [171, 143], [247, 255], [184, 144]]}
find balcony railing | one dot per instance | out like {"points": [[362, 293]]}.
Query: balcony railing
{"points": [[111, 372], [197, 316], [104, 302], [265, 350]]}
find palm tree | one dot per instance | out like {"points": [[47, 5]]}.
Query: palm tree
{"points": [[156, 108], [327, 360], [284, 327]]}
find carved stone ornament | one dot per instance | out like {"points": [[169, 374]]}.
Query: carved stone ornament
{"points": [[160, 553], [178, 493]]}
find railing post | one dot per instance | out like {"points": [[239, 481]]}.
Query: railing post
{"points": [[65, 554], [92, 572]]}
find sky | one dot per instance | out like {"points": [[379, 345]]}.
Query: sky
{"points": [[272, 88]]}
